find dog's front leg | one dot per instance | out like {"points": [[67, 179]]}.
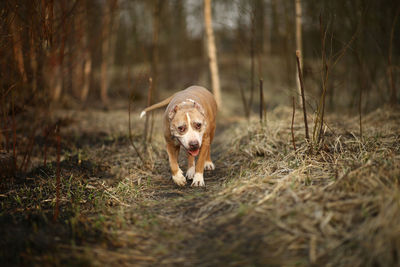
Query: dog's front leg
{"points": [[198, 179], [190, 170], [173, 153]]}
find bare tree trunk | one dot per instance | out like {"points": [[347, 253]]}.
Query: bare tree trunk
{"points": [[252, 52], [105, 49], [212, 52], [393, 95], [53, 77], [87, 69], [87, 56], [104, 52], [154, 45], [259, 20], [17, 47], [114, 30], [57, 79], [299, 45], [154, 67], [276, 33], [33, 59], [72, 57], [286, 38]]}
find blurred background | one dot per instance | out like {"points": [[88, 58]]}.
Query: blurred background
{"points": [[88, 52]]}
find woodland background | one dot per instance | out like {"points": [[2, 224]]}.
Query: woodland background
{"points": [[80, 51]]}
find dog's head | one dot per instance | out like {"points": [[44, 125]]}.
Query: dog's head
{"points": [[188, 124]]}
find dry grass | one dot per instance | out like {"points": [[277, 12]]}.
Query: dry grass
{"points": [[264, 204], [339, 206]]}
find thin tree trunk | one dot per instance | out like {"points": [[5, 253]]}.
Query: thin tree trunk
{"points": [[33, 58], [287, 44], [299, 45], [291, 128], [303, 98], [154, 68], [212, 52], [275, 33], [87, 69], [105, 49], [86, 64], [252, 52], [114, 30], [262, 105], [59, 61], [17, 47], [154, 50], [393, 95], [259, 18]]}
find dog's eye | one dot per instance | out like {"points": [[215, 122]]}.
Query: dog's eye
{"points": [[197, 125], [181, 128]]}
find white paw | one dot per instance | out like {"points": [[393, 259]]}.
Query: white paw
{"points": [[198, 180], [179, 179], [209, 166], [190, 172]]}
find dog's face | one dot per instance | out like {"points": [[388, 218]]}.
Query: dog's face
{"points": [[188, 124]]}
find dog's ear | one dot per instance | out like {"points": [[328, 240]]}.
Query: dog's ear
{"points": [[172, 112]]}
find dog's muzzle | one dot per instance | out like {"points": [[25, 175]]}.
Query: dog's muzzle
{"points": [[194, 148]]}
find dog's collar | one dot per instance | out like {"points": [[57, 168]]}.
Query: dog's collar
{"points": [[196, 105]]}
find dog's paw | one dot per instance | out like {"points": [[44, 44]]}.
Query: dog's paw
{"points": [[198, 180], [179, 179], [190, 172], [209, 166]]}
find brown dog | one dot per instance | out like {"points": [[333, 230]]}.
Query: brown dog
{"points": [[189, 121]]}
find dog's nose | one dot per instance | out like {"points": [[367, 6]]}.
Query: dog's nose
{"points": [[194, 145]]}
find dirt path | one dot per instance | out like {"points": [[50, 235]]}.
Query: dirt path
{"points": [[159, 223]]}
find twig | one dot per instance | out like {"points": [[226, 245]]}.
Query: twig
{"points": [[261, 100], [294, 110], [45, 135], [302, 94], [130, 130], [14, 130], [5, 119], [56, 210], [359, 111], [362, 88], [325, 73], [149, 102]]}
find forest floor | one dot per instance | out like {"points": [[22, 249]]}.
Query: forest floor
{"points": [[264, 204]]}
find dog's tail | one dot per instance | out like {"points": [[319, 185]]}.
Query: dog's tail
{"points": [[156, 106]]}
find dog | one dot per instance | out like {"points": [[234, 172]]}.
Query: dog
{"points": [[189, 122]]}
